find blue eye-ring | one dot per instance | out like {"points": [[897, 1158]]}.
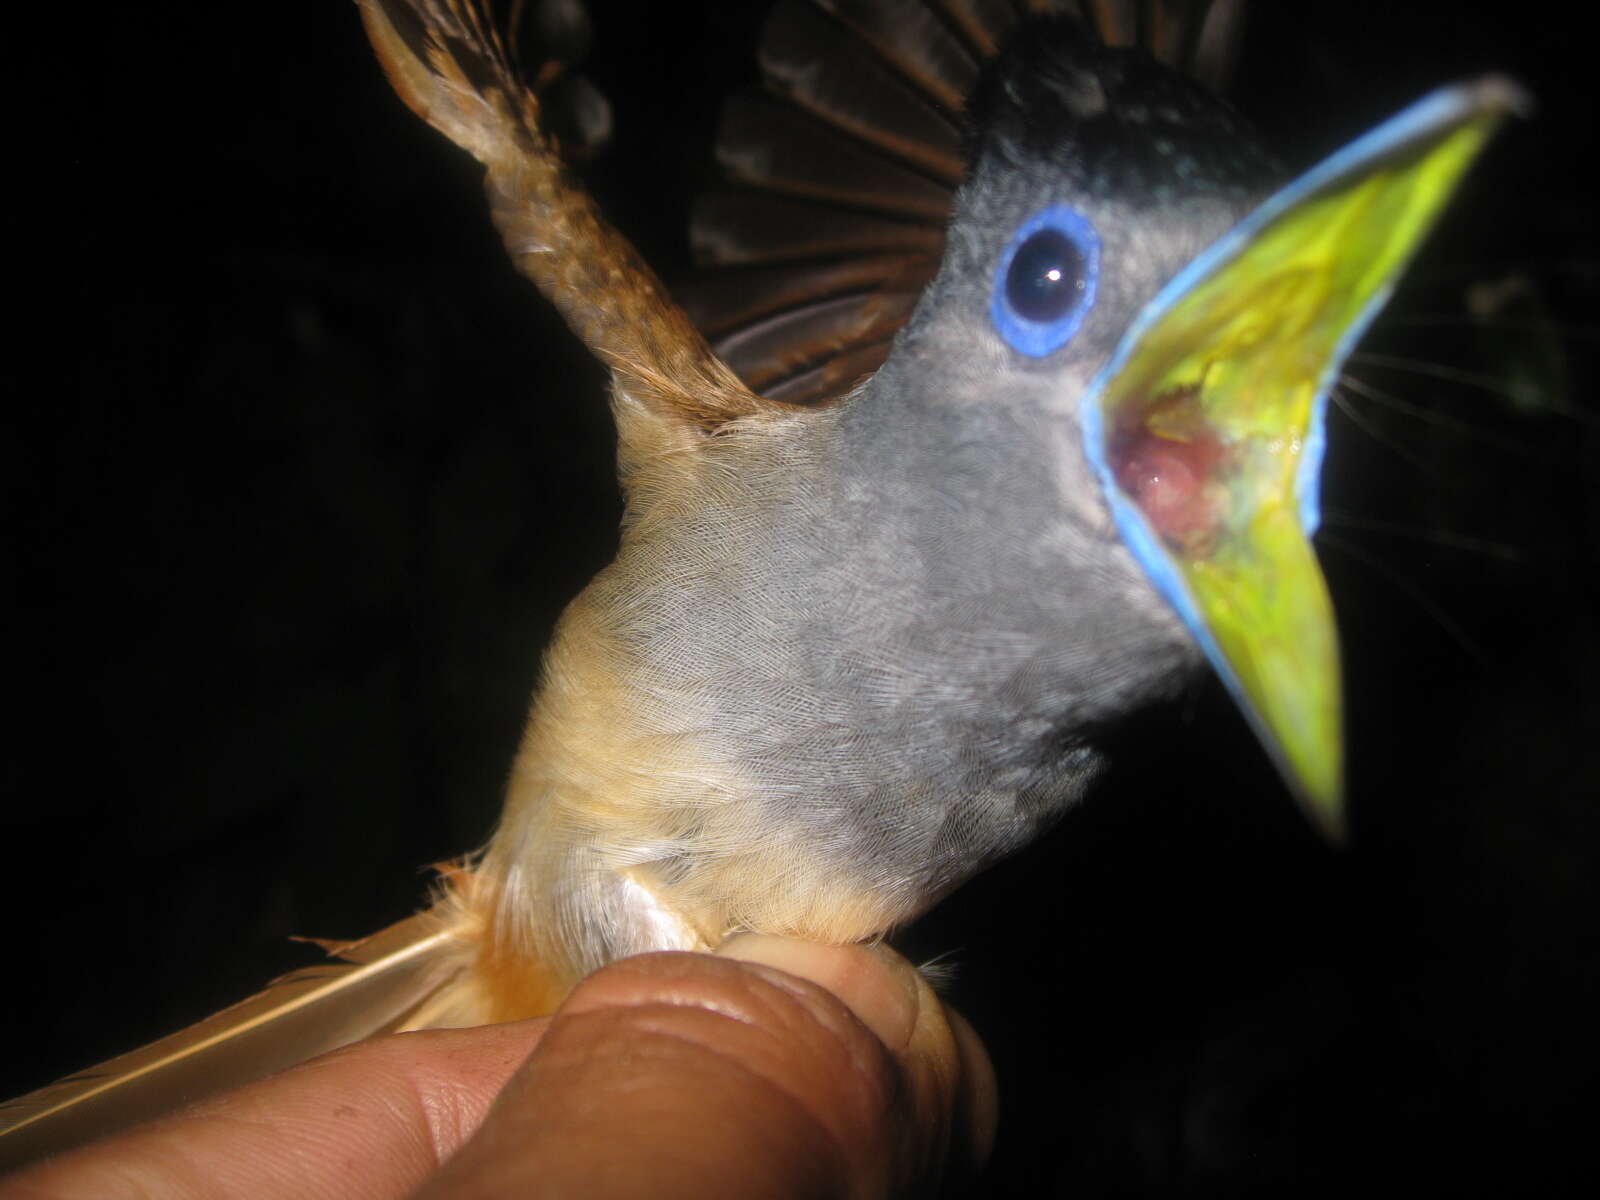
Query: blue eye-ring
{"points": [[1045, 283]]}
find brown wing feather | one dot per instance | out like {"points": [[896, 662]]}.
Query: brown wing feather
{"points": [[767, 227], [764, 290], [859, 93], [983, 24], [778, 147], [794, 343], [912, 38]]}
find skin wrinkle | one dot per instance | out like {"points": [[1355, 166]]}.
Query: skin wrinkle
{"points": [[442, 1116], [772, 1127], [749, 1008], [376, 1113], [308, 1134], [192, 1169], [451, 1101], [707, 1042], [165, 1166], [688, 1024]]}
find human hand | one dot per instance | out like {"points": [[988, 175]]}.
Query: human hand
{"points": [[775, 1068]]}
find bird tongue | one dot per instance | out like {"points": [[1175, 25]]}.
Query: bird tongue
{"points": [[1173, 464], [1206, 425]]}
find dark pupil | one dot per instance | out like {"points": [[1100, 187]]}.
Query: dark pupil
{"points": [[1046, 276]]}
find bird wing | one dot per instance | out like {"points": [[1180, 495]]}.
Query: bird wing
{"points": [[839, 183]]}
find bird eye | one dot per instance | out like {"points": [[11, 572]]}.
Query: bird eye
{"points": [[1046, 280]]}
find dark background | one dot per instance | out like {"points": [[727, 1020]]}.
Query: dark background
{"points": [[299, 473]]}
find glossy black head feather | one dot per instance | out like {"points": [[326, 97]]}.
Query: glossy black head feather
{"points": [[1117, 124]]}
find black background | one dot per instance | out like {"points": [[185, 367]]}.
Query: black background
{"points": [[299, 473]]}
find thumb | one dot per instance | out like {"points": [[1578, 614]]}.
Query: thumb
{"points": [[949, 1079], [776, 1069]]}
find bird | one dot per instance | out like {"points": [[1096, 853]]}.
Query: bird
{"points": [[877, 605]]}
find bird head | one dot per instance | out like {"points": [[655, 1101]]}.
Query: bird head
{"points": [[1136, 325]]}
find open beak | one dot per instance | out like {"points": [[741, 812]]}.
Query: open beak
{"points": [[1206, 427]]}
